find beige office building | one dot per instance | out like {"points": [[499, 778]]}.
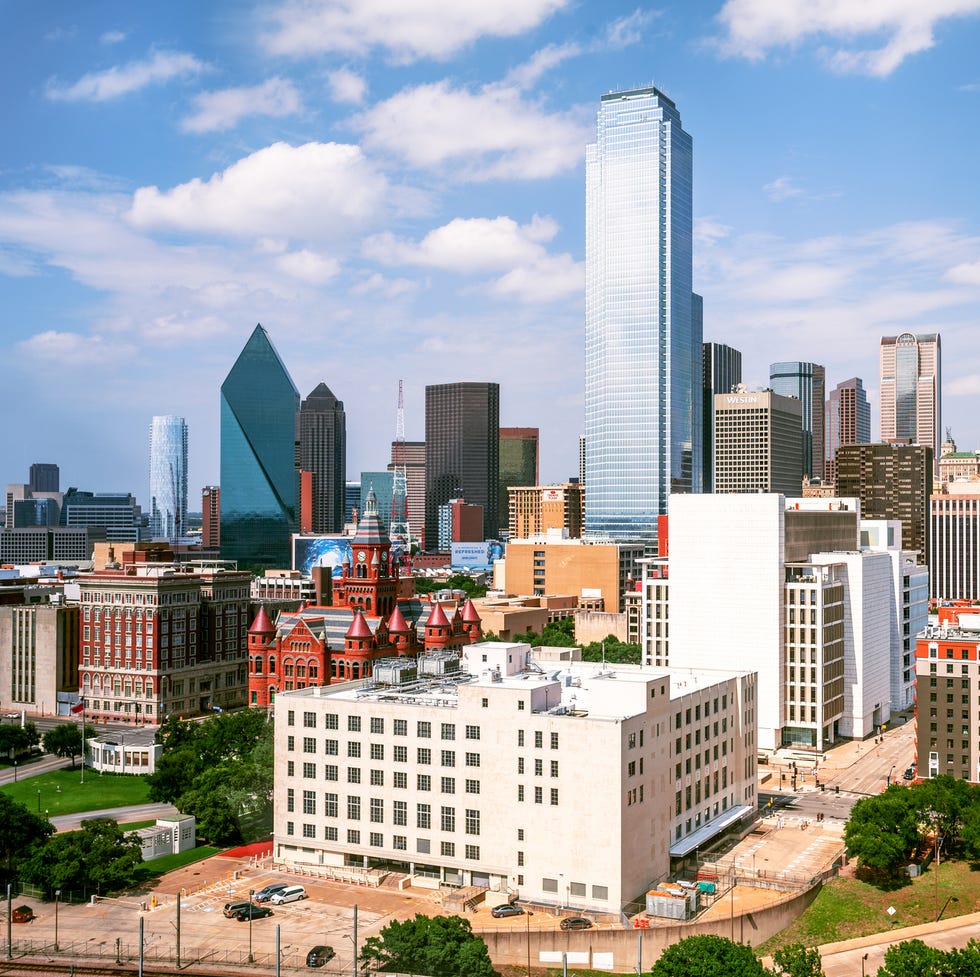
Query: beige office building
{"points": [[536, 509]]}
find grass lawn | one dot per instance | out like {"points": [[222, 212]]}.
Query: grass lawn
{"points": [[848, 908], [62, 791]]}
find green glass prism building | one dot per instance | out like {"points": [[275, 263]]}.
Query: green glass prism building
{"points": [[642, 330], [259, 490]]}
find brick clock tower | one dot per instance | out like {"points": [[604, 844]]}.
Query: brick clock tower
{"points": [[370, 581]]}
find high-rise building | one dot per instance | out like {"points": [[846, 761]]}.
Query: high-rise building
{"points": [[211, 517], [911, 390], [411, 455], [757, 442], [642, 332], [383, 486], [807, 382], [352, 501], [535, 509], [115, 512], [847, 421], [459, 522], [721, 372], [44, 477], [954, 567], [892, 481], [259, 491], [518, 465], [581, 459], [461, 451], [168, 477], [323, 453]]}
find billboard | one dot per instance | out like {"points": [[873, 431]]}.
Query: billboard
{"points": [[476, 556], [320, 551]]}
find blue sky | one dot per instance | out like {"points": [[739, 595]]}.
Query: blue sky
{"points": [[394, 189]]}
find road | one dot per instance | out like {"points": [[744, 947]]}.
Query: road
{"points": [[124, 815]]}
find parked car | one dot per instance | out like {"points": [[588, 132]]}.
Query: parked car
{"points": [[267, 892], [253, 912], [22, 914], [234, 908], [289, 894], [319, 956], [576, 923], [507, 909], [909, 773]]}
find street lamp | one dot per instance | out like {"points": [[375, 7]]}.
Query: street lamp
{"points": [[891, 773], [251, 892], [865, 957], [527, 927], [57, 896]]}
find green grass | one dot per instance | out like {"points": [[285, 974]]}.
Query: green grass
{"points": [[160, 866], [847, 907], [63, 793]]}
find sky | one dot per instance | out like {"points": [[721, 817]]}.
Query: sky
{"points": [[395, 190]]}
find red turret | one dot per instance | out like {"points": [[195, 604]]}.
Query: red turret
{"points": [[472, 625]]}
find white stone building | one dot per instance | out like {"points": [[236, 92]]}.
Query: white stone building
{"points": [[564, 783]]}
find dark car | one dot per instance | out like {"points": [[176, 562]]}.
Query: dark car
{"points": [[507, 909], [234, 908], [576, 923], [267, 892], [319, 956], [253, 912], [909, 773]]}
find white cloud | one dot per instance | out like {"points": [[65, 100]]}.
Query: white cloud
{"points": [[52, 348], [493, 133], [782, 188], [346, 86], [317, 190], [112, 37], [967, 386], [100, 86], [629, 29], [967, 273], [549, 279], [215, 111], [709, 231], [408, 29], [377, 284], [309, 267], [753, 27], [526, 75]]}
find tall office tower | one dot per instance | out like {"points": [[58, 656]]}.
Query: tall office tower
{"points": [[721, 372], [757, 442], [954, 523], [382, 483], [352, 501], [518, 465], [807, 382], [892, 481], [44, 477], [211, 517], [411, 455], [642, 335], [461, 451], [911, 390], [168, 477], [847, 421], [323, 452], [259, 408]]}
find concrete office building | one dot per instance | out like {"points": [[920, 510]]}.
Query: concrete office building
{"points": [[114, 513], [807, 382], [642, 324], [536, 509], [323, 453], [420, 761], [758, 435], [45, 545], [411, 454], [518, 466], [848, 421], [911, 390], [462, 443], [721, 373], [211, 517], [44, 477], [954, 562]]}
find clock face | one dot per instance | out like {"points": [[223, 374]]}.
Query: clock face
{"points": [[384, 554], [361, 556]]}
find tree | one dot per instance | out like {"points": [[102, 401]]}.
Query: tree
{"points": [[22, 831], [797, 960], [16, 740], [613, 650], [941, 804], [440, 946], [913, 958], [708, 956], [883, 832], [100, 856], [66, 740]]}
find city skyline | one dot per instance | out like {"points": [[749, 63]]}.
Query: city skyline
{"points": [[425, 176]]}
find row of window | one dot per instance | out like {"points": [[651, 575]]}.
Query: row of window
{"points": [[447, 849], [423, 728]]}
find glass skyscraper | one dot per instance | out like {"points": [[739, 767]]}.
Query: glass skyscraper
{"points": [[259, 486], [911, 390], [722, 372], [168, 477], [642, 333], [323, 451], [807, 382]]}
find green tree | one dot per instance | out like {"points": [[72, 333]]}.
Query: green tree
{"points": [[913, 958], [22, 830], [216, 818], [440, 946], [615, 651], [17, 740], [66, 740], [100, 856], [941, 804], [883, 831], [708, 956], [175, 772], [797, 960]]}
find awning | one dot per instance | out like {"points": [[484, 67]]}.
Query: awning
{"points": [[699, 837]]}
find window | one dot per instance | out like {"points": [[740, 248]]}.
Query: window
{"points": [[353, 749], [448, 731], [448, 785], [400, 754], [447, 849], [399, 843], [399, 780], [309, 771], [538, 795], [424, 782], [554, 768], [549, 885], [330, 805], [448, 758], [309, 744], [376, 839], [290, 800], [377, 751], [485, 703], [353, 837], [520, 858], [309, 720], [290, 828], [520, 792], [473, 852], [554, 796], [353, 775], [309, 802], [377, 778], [330, 833], [472, 759], [400, 812], [520, 705], [520, 764], [424, 755], [377, 725], [290, 716], [330, 721], [472, 786], [330, 772], [353, 724], [600, 892], [331, 748], [449, 819], [401, 727], [472, 732], [423, 730], [377, 810], [422, 845], [290, 743], [554, 741], [309, 830], [423, 816], [472, 822], [538, 738], [538, 767], [520, 737]]}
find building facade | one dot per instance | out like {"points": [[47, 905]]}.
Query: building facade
{"points": [[721, 373], [411, 455], [44, 477], [323, 453], [807, 382], [518, 466], [114, 513], [168, 477], [259, 486], [211, 517], [848, 421], [462, 443], [911, 389], [954, 562], [757, 442], [419, 761], [536, 509], [642, 335], [45, 544]]}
